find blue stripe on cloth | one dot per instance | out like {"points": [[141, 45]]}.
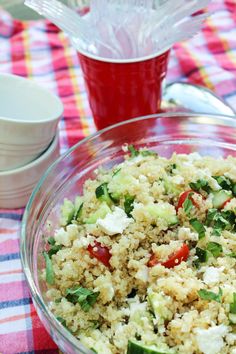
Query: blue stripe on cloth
{"points": [[227, 95], [9, 257], [11, 216], [13, 303]]}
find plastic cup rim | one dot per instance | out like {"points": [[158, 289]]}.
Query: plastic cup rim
{"points": [[123, 61]]}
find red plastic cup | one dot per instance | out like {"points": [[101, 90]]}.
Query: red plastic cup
{"points": [[120, 90]]}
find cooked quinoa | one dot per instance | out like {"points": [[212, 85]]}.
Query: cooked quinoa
{"points": [[144, 261]]}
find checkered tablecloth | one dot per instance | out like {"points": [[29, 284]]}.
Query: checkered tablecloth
{"points": [[40, 51]]}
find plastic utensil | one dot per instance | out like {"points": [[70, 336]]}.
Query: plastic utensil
{"points": [[78, 29], [168, 15], [183, 30]]}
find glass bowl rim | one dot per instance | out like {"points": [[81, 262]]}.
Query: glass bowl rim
{"points": [[67, 336]]}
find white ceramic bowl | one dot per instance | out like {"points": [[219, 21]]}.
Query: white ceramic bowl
{"points": [[16, 185], [29, 115]]}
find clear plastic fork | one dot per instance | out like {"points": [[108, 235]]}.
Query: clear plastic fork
{"points": [[78, 29]]}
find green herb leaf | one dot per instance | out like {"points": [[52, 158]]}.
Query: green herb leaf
{"points": [[145, 153], [63, 322], [232, 308], [133, 151], [85, 297], [200, 184], [103, 194], [234, 189], [196, 263], [101, 190], [93, 350], [54, 249], [209, 295], [224, 182], [232, 255], [129, 205], [51, 241], [188, 204], [116, 172], [171, 168], [199, 227], [202, 255], [220, 221], [210, 216], [215, 248], [229, 216], [49, 269], [78, 212]]}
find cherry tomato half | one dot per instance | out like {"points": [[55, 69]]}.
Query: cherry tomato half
{"points": [[183, 196], [178, 257], [226, 202], [102, 253], [174, 259]]}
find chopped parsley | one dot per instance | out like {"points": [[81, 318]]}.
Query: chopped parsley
{"points": [[232, 255], [220, 221], [201, 184], [101, 191], [49, 269], [232, 308], [202, 255], [171, 168], [133, 151], [62, 321], [78, 212], [85, 297], [145, 153], [51, 241], [54, 248], [188, 204], [116, 171], [224, 182], [209, 295], [215, 248], [198, 227], [129, 205]]}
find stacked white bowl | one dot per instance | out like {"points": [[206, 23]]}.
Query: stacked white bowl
{"points": [[29, 143]]}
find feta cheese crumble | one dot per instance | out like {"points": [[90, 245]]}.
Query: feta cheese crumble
{"points": [[211, 275], [210, 341], [115, 222]]}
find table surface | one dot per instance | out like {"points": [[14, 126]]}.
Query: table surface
{"points": [[40, 51]]}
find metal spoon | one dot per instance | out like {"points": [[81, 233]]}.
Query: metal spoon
{"points": [[180, 96]]}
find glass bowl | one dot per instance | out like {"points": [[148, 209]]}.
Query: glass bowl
{"points": [[165, 133]]}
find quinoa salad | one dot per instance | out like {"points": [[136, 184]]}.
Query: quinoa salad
{"points": [[143, 262]]}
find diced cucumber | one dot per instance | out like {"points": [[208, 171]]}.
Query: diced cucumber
{"points": [[102, 194], [163, 211], [171, 188], [115, 197], [159, 304], [220, 197], [67, 212], [120, 184], [49, 269], [78, 207], [101, 212], [138, 312], [232, 318], [135, 347]]}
